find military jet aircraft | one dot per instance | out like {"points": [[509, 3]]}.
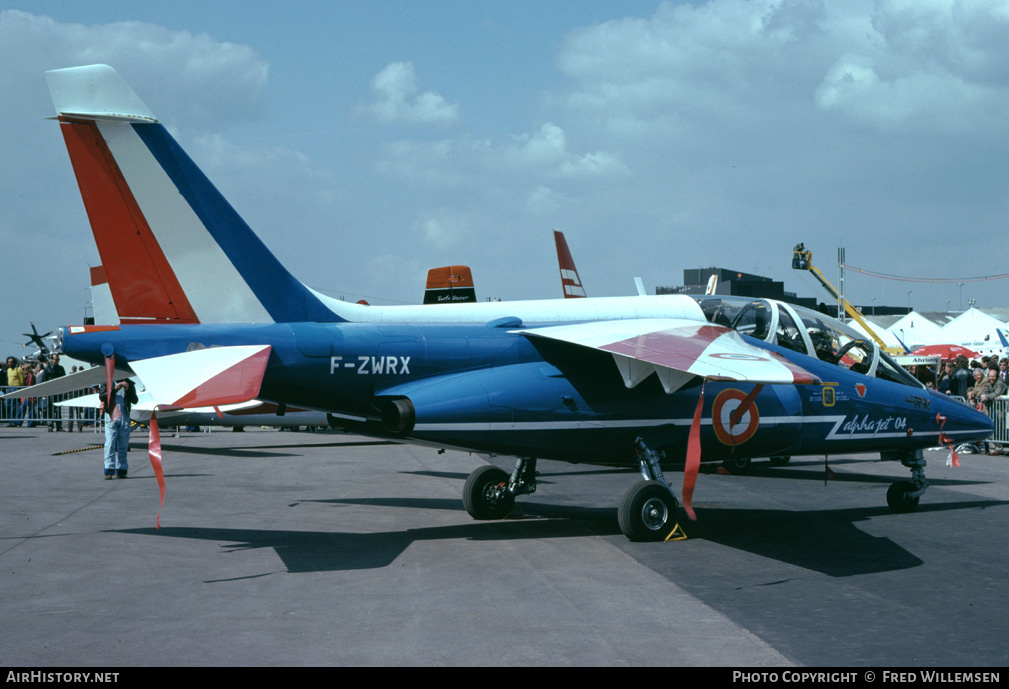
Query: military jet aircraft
{"points": [[631, 380]]}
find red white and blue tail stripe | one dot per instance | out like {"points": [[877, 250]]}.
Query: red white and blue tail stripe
{"points": [[173, 248]]}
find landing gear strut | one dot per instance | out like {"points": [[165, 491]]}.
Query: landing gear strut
{"points": [[648, 508], [903, 496], [490, 492]]}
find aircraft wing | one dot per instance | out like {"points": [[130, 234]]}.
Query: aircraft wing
{"points": [[68, 383], [677, 350]]}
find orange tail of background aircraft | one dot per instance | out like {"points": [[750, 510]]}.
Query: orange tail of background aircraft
{"points": [[449, 285]]}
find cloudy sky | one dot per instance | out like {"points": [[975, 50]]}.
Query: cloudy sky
{"points": [[368, 141]]}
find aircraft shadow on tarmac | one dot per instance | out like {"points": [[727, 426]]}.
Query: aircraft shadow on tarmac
{"points": [[235, 452], [317, 551], [825, 541], [252, 451], [814, 471], [357, 443]]}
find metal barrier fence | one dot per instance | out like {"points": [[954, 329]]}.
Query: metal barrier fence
{"points": [[30, 411], [999, 412], [42, 411]]}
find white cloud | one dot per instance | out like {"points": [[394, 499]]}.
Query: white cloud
{"points": [[545, 147], [730, 63], [266, 168], [283, 194], [386, 274], [543, 200], [190, 77], [853, 88], [431, 163], [598, 164], [442, 229], [463, 163], [396, 99], [927, 65]]}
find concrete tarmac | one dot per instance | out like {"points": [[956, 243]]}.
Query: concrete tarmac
{"points": [[280, 548]]}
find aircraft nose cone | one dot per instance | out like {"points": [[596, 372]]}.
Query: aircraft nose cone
{"points": [[962, 422]]}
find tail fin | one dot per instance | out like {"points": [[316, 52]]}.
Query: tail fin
{"points": [[173, 249], [1002, 338], [449, 285], [570, 280], [712, 285], [907, 350]]}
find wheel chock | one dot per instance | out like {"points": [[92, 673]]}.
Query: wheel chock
{"points": [[516, 513], [677, 534]]}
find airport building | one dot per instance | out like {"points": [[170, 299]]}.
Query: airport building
{"points": [[737, 283]]}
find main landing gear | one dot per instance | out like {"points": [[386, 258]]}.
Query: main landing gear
{"points": [[903, 496], [648, 508]]}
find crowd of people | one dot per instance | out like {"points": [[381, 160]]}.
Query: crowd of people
{"points": [[32, 411], [979, 382]]}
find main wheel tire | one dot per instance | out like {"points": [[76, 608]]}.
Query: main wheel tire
{"points": [[897, 497], [736, 465], [647, 511], [484, 495]]}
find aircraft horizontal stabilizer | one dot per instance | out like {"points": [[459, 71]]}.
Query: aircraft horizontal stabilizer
{"points": [[204, 377], [677, 350]]}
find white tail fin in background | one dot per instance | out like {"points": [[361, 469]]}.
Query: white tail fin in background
{"points": [[103, 305]]}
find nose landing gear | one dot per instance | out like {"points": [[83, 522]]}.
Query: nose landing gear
{"points": [[490, 492], [903, 496]]}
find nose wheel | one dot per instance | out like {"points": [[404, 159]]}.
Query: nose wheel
{"points": [[486, 496], [903, 496], [490, 492], [737, 465]]}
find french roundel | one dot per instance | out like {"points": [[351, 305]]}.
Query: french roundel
{"points": [[736, 356], [726, 403]]}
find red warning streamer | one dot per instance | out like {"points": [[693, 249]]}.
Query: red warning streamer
{"points": [[948, 442], [154, 452], [110, 367], [693, 458]]}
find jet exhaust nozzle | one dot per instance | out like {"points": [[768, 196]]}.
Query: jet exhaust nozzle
{"points": [[398, 415]]}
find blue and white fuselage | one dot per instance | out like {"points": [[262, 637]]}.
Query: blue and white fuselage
{"points": [[493, 390]]}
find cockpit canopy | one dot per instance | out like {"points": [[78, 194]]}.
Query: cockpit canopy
{"points": [[805, 331]]}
